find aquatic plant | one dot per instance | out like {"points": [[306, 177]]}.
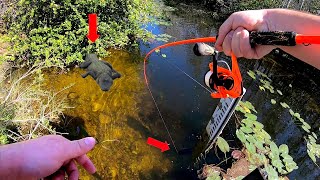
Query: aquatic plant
{"points": [[55, 31], [310, 137], [261, 149]]}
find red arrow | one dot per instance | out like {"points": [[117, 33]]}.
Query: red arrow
{"points": [[92, 35], [158, 144]]}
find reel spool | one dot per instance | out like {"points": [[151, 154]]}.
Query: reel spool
{"points": [[224, 82]]}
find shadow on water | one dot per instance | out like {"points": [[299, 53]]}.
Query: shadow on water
{"points": [[73, 125]]}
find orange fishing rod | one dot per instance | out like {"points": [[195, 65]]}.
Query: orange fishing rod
{"points": [[228, 83], [224, 82], [282, 38]]}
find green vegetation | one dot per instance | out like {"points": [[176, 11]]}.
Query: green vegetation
{"points": [[52, 33], [242, 5], [55, 31], [224, 8], [26, 110], [313, 149], [259, 148], [262, 151]]}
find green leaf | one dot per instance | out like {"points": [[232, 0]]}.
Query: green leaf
{"points": [[279, 92], [277, 163], [273, 101], [259, 145], [157, 50], [251, 148], [306, 125], [284, 105], [291, 112], [314, 135], [248, 122], [297, 115], [251, 139], [291, 166], [250, 116], [274, 149], [286, 157], [305, 128], [312, 156], [271, 90], [272, 173], [262, 88], [252, 167], [283, 148], [301, 120], [223, 145], [312, 139], [241, 136], [265, 135], [257, 124], [249, 106], [251, 74], [163, 55], [213, 175], [246, 129]]}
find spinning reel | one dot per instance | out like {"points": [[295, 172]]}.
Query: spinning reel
{"points": [[224, 82]]}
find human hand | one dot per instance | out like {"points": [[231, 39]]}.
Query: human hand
{"points": [[49, 156], [233, 34]]}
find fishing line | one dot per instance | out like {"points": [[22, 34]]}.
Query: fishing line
{"points": [[177, 67], [189, 41], [165, 125]]}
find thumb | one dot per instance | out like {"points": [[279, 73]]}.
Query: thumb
{"points": [[79, 147]]}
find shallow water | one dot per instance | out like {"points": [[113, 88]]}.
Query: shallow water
{"points": [[123, 118], [114, 119]]}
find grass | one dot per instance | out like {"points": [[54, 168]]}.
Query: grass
{"points": [[26, 110]]}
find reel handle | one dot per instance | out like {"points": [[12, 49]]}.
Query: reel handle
{"points": [[280, 38]]}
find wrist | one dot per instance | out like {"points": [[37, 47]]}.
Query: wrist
{"points": [[292, 20]]}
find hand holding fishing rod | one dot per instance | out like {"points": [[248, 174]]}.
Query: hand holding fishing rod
{"points": [[227, 82], [234, 34]]}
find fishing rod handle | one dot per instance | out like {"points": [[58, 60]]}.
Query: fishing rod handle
{"points": [[279, 38]]}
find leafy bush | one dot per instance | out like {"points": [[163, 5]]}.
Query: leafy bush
{"points": [[55, 31]]}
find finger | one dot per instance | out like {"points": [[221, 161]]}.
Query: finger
{"points": [[235, 44], [224, 29], [72, 171], [86, 163], [227, 43], [245, 47], [59, 175], [78, 148]]}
